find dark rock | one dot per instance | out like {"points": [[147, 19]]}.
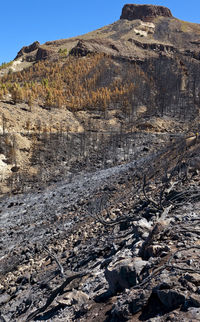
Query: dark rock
{"points": [[193, 278], [156, 250], [28, 49], [24, 306], [43, 54], [81, 49], [139, 299], [11, 205], [36, 52], [103, 296], [85, 47], [129, 304], [170, 298], [22, 280], [194, 300], [144, 12], [15, 169]]}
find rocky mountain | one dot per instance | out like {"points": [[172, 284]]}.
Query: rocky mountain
{"points": [[147, 27], [99, 172]]}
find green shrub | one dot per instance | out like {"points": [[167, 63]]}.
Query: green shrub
{"points": [[63, 52]]}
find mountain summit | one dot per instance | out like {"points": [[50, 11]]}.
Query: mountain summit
{"points": [[144, 12]]}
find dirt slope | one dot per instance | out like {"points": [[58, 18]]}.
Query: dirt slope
{"points": [[99, 246]]}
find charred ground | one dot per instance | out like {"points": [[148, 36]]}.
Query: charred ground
{"points": [[99, 161]]}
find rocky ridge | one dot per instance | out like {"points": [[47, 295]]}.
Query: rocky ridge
{"points": [[153, 23]]}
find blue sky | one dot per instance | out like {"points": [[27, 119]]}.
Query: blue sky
{"points": [[25, 21]]}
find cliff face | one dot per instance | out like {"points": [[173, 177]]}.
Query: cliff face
{"points": [[144, 12]]}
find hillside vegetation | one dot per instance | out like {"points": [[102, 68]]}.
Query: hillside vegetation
{"points": [[75, 84], [98, 81]]}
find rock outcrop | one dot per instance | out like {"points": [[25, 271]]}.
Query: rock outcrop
{"points": [[28, 49], [35, 52], [144, 12], [112, 48], [43, 53], [105, 46]]}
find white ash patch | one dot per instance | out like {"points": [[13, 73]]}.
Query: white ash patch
{"points": [[4, 167]]}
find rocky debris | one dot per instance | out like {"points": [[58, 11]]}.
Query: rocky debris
{"points": [[66, 264], [163, 298], [133, 50], [128, 304], [144, 12]]}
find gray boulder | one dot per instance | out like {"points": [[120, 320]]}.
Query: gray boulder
{"points": [[123, 274]]}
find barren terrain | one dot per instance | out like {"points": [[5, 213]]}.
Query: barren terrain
{"points": [[87, 248], [99, 174]]}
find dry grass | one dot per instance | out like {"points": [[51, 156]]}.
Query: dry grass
{"points": [[189, 27]]}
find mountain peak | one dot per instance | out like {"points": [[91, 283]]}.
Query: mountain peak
{"points": [[144, 12]]}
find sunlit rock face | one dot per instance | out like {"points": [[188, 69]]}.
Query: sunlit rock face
{"points": [[144, 12]]}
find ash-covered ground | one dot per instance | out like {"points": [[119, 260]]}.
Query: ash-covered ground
{"points": [[115, 244]]}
